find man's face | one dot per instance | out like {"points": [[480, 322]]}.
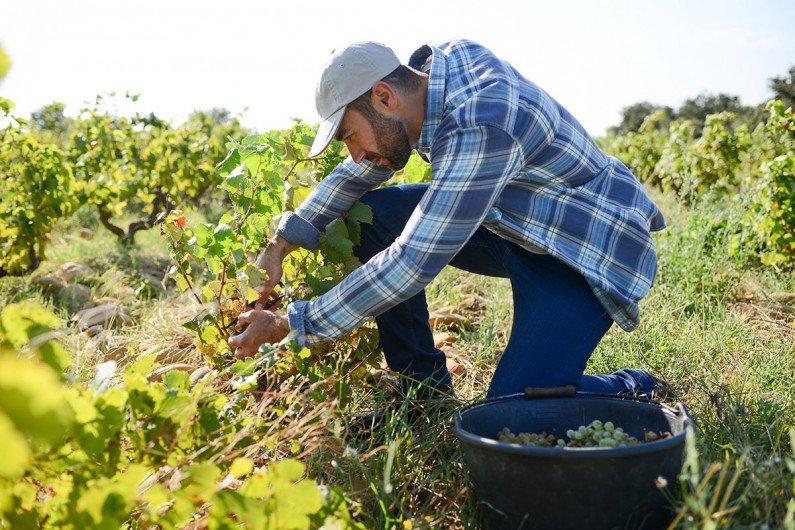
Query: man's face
{"points": [[378, 138]]}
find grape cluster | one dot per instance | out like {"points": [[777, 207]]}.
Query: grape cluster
{"points": [[595, 434], [529, 439]]}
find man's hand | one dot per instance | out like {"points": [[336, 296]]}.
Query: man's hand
{"points": [[271, 262], [261, 327]]}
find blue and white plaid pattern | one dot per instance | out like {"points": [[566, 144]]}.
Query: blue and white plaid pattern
{"points": [[504, 155]]}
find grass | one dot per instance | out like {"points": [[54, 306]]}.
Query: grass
{"points": [[719, 329]]}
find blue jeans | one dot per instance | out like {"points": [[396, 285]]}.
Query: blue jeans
{"points": [[557, 319]]}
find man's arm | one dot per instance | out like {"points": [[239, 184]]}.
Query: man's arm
{"points": [[471, 167], [329, 200]]}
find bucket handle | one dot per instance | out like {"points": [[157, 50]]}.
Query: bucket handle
{"points": [[538, 392]]}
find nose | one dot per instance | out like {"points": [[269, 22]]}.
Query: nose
{"points": [[357, 153]]}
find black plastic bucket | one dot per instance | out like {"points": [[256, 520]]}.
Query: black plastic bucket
{"points": [[557, 488]]}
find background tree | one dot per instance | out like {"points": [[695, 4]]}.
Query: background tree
{"points": [[697, 109], [785, 88], [52, 124], [632, 117]]}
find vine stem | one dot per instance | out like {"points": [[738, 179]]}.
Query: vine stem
{"points": [[199, 300], [220, 295]]}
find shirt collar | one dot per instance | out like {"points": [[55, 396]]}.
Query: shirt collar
{"points": [[434, 102]]}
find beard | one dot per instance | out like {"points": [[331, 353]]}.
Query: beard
{"points": [[391, 139]]}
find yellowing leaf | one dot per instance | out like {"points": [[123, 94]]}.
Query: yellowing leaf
{"points": [[241, 466], [16, 452], [32, 397]]}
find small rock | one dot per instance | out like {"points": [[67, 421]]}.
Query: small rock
{"points": [[784, 298], [74, 271], [76, 295], [453, 322], [49, 283], [443, 339], [107, 300], [455, 368], [449, 308], [93, 331], [199, 374], [116, 354], [124, 291], [103, 315]]}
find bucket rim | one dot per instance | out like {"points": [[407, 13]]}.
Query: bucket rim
{"points": [[492, 444]]}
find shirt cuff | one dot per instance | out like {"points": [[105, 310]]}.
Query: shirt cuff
{"points": [[296, 315], [298, 231]]}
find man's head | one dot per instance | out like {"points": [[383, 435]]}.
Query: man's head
{"points": [[359, 104], [348, 74], [391, 135]]}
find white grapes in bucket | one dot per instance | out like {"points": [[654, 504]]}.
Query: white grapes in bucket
{"points": [[595, 434]]}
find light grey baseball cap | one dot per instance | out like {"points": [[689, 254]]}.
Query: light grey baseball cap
{"points": [[349, 73]]}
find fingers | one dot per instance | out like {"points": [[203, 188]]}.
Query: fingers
{"points": [[236, 340], [269, 302], [262, 301], [242, 345], [245, 318], [242, 353], [260, 327]]}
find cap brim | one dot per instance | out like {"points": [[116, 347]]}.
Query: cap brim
{"points": [[325, 133]]}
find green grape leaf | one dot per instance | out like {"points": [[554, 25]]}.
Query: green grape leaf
{"points": [[21, 322], [255, 228], [229, 163], [352, 264], [250, 294], [224, 238], [253, 139], [232, 182], [203, 478], [337, 238], [289, 152], [360, 213], [177, 379], [6, 105], [243, 367], [255, 276], [204, 234]]}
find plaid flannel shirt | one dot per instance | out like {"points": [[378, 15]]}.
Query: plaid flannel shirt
{"points": [[503, 155]]}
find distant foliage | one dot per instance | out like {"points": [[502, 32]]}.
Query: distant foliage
{"points": [[769, 208], [54, 165], [39, 189], [753, 171]]}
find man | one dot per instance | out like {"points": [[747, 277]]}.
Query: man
{"points": [[518, 190]]}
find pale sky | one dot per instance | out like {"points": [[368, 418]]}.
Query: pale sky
{"points": [[595, 57]]}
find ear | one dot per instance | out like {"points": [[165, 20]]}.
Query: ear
{"points": [[384, 97]]}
